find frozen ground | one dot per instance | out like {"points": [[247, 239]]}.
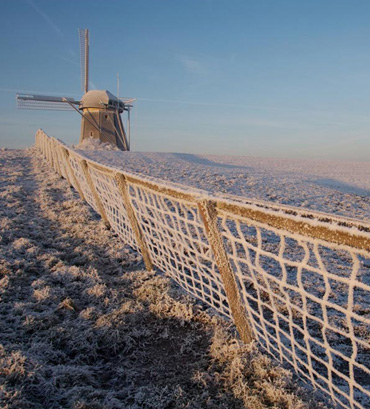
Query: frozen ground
{"points": [[82, 325], [336, 187]]}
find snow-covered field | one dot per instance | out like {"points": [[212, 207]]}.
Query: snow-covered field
{"points": [[82, 325], [341, 188]]}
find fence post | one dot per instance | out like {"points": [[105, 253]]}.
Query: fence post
{"points": [[49, 156], [208, 213], [74, 181], [47, 149], [52, 159], [64, 159], [62, 164], [56, 158], [98, 202], [59, 158], [123, 188], [42, 147]]}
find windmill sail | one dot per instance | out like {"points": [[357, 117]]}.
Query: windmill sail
{"points": [[100, 110], [84, 55], [31, 101]]}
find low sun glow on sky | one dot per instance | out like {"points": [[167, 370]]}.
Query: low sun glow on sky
{"points": [[282, 78]]}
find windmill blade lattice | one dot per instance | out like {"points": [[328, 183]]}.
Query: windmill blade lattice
{"points": [[84, 55], [30, 101]]}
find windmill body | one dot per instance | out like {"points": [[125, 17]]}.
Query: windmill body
{"points": [[101, 118], [100, 110]]}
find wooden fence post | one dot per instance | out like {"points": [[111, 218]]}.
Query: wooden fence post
{"points": [[74, 181], [50, 154], [123, 188], [47, 150], [208, 213], [98, 202], [60, 159], [52, 159], [64, 159], [56, 157], [43, 146]]}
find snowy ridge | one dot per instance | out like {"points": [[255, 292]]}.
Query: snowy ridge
{"points": [[336, 188], [113, 160], [302, 277], [313, 218]]}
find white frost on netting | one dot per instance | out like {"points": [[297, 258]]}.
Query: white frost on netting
{"points": [[307, 299], [299, 294], [76, 165], [111, 199], [177, 243]]}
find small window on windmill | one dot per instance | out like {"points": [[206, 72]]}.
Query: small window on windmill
{"points": [[91, 133], [106, 116]]}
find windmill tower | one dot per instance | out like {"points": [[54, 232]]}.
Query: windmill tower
{"points": [[100, 110]]}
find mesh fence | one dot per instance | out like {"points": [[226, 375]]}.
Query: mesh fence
{"points": [[303, 278], [63, 170], [110, 196], [306, 302], [177, 243], [79, 174]]}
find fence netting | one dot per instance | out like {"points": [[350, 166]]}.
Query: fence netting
{"points": [[304, 282], [178, 245], [109, 193], [77, 167], [306, 302]]}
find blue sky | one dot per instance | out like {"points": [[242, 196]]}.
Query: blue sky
{"points": [[262, 78]]}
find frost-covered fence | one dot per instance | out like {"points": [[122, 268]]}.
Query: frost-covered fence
{"points": [[296, 281]]}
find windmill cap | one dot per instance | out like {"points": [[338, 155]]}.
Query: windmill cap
{"points": [[100, 99]]}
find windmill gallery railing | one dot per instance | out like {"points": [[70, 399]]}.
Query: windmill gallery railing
{"points": [[296, 281]]}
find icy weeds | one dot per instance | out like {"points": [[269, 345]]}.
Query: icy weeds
{"points": [[82, 325]]}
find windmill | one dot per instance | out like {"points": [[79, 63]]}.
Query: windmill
{"points": [[100, 110]]}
